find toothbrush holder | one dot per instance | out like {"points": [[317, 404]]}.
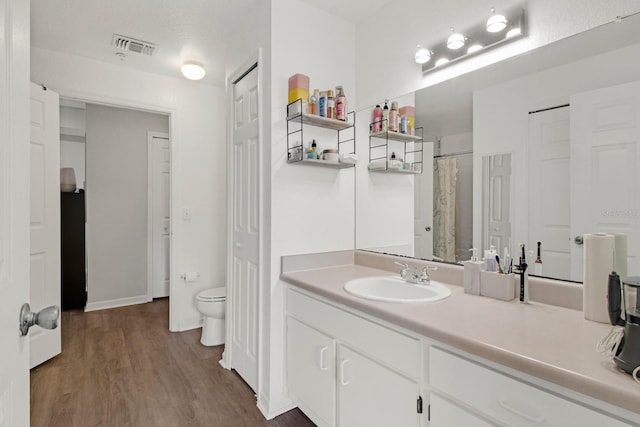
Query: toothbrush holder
{"points": [[498, 286]]}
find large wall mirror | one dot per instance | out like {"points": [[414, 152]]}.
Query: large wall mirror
{"points": [[543, 147]]}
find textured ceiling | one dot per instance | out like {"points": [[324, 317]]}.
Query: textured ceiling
{"points": [[349, 10], [183, 30]]}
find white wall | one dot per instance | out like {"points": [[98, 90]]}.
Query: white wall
{"points": [[117, 202], [197, 126], [386, 42], [500, 117]]}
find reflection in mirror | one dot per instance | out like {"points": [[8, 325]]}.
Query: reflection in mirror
{"points": [[567, 116], [496, 202]]}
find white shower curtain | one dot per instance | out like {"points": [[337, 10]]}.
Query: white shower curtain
{"points": [[445, 177]]}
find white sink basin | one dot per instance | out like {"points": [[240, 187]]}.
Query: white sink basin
{"points": [[394, 289]]}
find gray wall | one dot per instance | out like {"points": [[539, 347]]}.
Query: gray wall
{"points": [[116, 178]]}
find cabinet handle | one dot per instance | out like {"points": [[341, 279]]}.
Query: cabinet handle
{"points": [[322, 351], [535, 419], [342, 365]]}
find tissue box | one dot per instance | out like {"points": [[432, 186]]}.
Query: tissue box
{"points": [[498, 286]]}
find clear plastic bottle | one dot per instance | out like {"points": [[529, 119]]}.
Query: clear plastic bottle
{"points": [[341, 104], [313, 102]]}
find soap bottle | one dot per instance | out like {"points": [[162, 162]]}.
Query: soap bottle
{"points": [[472, 273], [385, 116], [393, 117], [377, 119], [322, 104], [313, 154], [490, 263]]}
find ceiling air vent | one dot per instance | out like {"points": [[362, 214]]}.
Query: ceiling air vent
{"points": [[129, 44]]}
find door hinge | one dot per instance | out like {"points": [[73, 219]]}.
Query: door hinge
{"points": [[429, 412], [419, 405]]}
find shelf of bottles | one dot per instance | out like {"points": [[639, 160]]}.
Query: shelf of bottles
{"points": [[297, 119], [380, 153]]}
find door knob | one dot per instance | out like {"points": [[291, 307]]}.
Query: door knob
{"points": [[46, 318], [427, 228], [578, 240]]}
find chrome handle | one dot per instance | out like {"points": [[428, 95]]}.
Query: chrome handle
{"points": [[342, 365], [578, 240], [321, 362], [519, 412], [46, 318]]}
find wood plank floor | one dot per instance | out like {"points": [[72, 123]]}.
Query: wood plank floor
{"points": [[122, 367]]}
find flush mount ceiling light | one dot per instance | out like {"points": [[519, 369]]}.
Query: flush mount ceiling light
{"points": [[422, 55], [496, 22], [455, 40], [193, 71]]}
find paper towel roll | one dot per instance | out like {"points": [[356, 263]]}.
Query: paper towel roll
{"points": [[620, 244], [598, 264]]}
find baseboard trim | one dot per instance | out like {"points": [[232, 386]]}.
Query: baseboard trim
{"points": [[224, 362], [115, 303], [264, 405]]}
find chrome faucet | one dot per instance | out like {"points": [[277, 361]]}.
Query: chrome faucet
{"points": [[411, 276]]}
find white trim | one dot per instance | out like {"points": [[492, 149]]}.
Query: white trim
{"points": [[174, 308], [150, 136], [114, 303], [264, 404]]}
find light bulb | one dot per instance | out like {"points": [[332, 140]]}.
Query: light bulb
{"points": [[422, 55], [441, 61], [516, 31], [496, 22], [474, 48], [455, 40], [193, 71]]}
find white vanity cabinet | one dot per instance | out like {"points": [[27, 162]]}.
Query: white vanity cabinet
{"points": [[348, 371], [500, 397]]}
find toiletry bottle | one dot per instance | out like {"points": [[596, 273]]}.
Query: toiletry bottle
{"points": [[313, 154], [377, 119], [331, 105], [404, 124], [313, 102], [472, 273], [393, 117], [385, 116], [341, 104], [322, 104]]}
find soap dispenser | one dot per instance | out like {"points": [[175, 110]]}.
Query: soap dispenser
{"points": [[490, 263], [472, 273]]}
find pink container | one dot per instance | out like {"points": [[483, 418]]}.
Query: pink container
{"points": [[299, 81]]}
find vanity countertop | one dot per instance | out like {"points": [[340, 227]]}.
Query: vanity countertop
{"points": [[552, 343]]}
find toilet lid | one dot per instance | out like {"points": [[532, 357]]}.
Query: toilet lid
{"points": [[213, 294]]}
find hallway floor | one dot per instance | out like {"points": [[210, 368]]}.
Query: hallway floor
{"points": [[122, 367]]}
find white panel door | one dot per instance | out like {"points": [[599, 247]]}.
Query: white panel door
{"points": [[14, 210], [159, 203], [371, 395], [496, 182], [45, 218], [245, 227], [549, 193], [423, 206], [605, 182]]}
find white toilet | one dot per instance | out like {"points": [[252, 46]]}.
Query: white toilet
{"points": [[212, 304]]}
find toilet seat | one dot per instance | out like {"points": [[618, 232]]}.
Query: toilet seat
{"points": [[213, 294]]}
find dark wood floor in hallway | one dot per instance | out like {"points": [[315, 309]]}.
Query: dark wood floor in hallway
{"points": [[122, 367]]}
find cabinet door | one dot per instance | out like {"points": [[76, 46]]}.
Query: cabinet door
{"points": [[446, 414], [311, 369], [370, 394]]}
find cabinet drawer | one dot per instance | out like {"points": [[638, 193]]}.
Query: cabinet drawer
{"points": [[505, 399], [396, 350], [446, 414]]}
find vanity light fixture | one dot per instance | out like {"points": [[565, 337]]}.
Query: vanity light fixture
{"points": [[500, 29], [193, 71], [496, 22], [455, 40], [422, 55]]}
